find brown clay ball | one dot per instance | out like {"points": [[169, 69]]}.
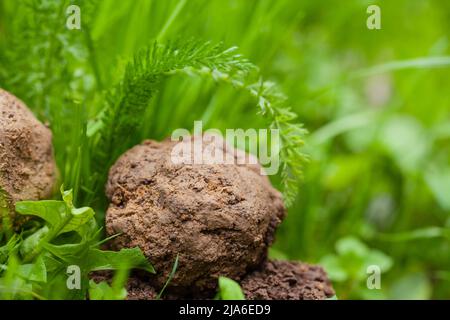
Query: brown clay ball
{"points": [[284, 280], [219, 218], [27, 165]]}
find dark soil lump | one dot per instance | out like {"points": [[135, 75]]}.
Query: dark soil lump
{"points": [[284, 280]]}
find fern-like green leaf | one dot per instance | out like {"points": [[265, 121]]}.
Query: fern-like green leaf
{"points": [[129, 99], [133, 94]]}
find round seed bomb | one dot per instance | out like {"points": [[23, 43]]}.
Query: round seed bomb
{"points": [[219, 218]]}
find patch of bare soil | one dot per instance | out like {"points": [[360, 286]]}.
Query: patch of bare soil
{"points": [[284, 280]]}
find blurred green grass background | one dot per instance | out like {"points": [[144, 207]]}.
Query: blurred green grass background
{"points": [[376, 104]]}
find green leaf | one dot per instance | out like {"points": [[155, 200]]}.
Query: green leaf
{"points": [[34, 272], [71, 253], [49, 251], [79, 218], [52, 264], [16, 289], [67, 196], [62, 216], [171, 275], [99, 291], [50, 211], [230, 289], [333, 267], [103, 291], [8, 248], [32, 242], [351, 246], [123, 259]]}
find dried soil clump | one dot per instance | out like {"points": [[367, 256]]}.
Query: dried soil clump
{"points": [[27, 165], [219, 218], [140, 290], [284, 280]]}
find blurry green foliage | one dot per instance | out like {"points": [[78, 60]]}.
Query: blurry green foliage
{"points": [[229, 290], [36, 263], [349, 266]]}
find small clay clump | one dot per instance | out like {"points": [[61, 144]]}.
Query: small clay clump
{"points": [[140, 290], [284, 280], [27, 165], [219, 218]]}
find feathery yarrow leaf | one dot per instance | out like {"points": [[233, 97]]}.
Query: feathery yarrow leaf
{"points": [[133, 94]]}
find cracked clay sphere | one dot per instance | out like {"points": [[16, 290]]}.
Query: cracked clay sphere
{"points": [[219, 218], [27, 165]]}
